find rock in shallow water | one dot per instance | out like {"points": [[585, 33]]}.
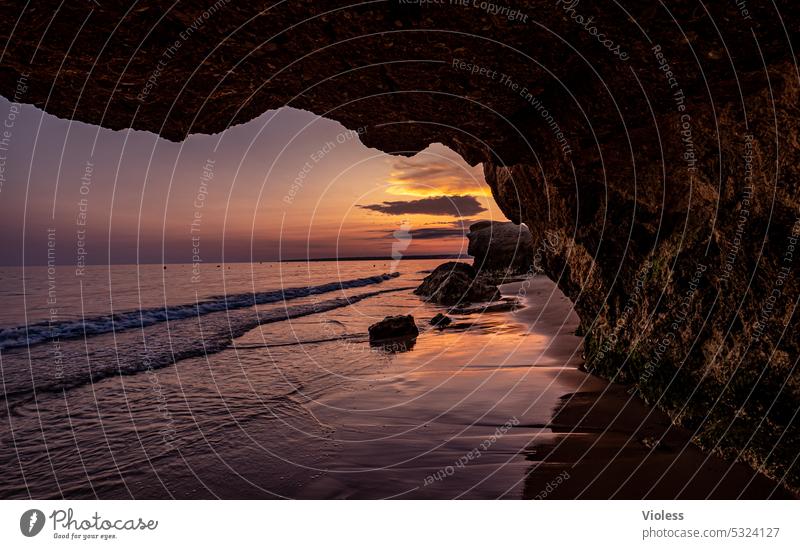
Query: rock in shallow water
{"points": [[441, 321], [394, 327], [455, 283]]}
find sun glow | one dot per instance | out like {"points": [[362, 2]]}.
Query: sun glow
{"points": [[436, 171]]}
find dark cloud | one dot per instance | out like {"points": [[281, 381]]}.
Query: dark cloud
{"points": [[462, 223], [434, 233], [428, 233], [456, 206]]}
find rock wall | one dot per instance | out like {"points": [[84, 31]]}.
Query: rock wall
{"points": [[651, 148]]}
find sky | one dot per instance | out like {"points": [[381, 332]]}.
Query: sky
{"points": [[287, 185]]}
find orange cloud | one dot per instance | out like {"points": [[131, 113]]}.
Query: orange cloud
{"points": [[436, 171]]}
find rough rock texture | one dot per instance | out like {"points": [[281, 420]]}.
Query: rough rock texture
{"points": [[441, 321], [455, 283], [658, 173], [394, 327], [500, 246]]}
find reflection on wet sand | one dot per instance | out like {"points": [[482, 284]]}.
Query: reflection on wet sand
{"points": [[612, 446]]}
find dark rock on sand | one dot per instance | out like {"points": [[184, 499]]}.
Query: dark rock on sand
{"points": [[394, 327], [503, 306], [441, 321], [500, 246], [455, 283]]}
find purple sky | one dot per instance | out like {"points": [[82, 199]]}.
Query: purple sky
{"points": [[286, 185]]}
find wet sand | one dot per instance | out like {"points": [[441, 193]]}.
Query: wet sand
{"points": [[509, 414]]}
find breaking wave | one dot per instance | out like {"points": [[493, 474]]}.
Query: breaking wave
{"points": [[40, 332]]}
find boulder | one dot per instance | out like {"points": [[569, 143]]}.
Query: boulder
{"points": [[441, 321], [455, 283], [500, 246], [394, 327]]}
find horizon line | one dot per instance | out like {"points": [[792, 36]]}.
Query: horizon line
{"points": [[295, 260]]}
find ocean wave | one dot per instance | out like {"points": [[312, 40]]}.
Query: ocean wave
{"points": [[151, 349], [41, 332]]}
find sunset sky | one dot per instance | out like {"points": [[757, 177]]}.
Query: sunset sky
{"points": [[287, 185]]}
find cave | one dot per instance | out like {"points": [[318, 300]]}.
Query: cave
{"points": [[657, 167]]}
